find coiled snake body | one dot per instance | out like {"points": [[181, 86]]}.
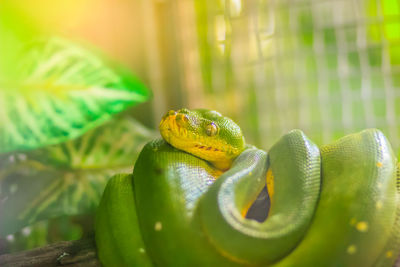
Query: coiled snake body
{"points": [[337, 205]]}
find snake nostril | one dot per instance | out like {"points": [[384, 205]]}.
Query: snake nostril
{"points": [[181, 119], [171, 112]]}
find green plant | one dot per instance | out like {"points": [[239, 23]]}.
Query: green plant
{"points": [[60, 138]]}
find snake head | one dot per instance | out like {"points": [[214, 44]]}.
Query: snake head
{"points": [[205, 134]]}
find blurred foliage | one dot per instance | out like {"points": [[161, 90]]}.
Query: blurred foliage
{"points": [[15, 31], [69, 178], [59, 92], [28, 237], [44, 232], [60, 140]]}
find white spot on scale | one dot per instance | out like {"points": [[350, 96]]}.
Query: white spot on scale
{"points": [[141, 250], [362, 226], [351, 249], [389, 254], [158, 226]]}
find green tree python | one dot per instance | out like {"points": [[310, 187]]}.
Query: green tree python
{"points": [[186, 202]]}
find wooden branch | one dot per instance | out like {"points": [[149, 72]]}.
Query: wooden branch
{"points": [[80, 253], [66, 253]]}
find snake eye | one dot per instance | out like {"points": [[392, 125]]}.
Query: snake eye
{"points": [[211, 129]]}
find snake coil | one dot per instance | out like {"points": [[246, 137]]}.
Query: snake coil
{"points": [[337, 205]]}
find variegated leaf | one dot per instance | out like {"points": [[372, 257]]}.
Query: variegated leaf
{"points": [[69, 178], [60, 91]]}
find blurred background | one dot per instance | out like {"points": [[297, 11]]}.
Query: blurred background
{"points": [[328, 67]]}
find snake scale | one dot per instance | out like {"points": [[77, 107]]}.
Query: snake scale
{"points": [[186, 202]]}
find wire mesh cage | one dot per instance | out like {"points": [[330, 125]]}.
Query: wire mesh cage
{"points": [[328, 67]]}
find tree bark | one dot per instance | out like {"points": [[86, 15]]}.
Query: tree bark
{"points": [[67, 253], [80, 253]]}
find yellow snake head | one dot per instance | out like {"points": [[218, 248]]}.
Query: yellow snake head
{"points": [[205, 134]]}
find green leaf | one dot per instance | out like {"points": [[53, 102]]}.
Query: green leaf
{"points": [[69, 178], [60, 91]]}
